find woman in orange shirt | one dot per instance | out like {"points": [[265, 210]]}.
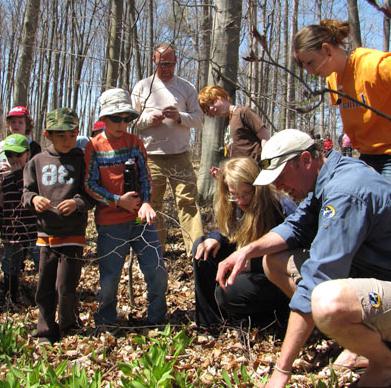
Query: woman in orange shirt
{"points": [[364, 74]]}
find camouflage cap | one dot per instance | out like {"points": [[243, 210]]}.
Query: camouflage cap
{"points": [[62, 119]]}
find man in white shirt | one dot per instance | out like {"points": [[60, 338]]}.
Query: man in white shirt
{"points": [[168, 108]]}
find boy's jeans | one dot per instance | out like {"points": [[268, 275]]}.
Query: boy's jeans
{"points": [[114, 242], [14, 256]]}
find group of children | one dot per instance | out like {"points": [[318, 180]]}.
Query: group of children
{"points": [[46, 198]]}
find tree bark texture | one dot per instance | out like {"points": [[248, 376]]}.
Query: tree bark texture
{"points": [[30, 26]]}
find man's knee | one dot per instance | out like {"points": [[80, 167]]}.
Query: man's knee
{"points": [[333, 304], [275, 265]]}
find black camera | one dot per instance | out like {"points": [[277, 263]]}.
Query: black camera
{"points": [[130, 176]]}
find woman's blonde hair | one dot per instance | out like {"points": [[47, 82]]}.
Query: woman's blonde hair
{"points": [[209, 94], [311, 38], [263, 213]]}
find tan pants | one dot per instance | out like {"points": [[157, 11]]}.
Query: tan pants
{"points": [[375, 298], [178, 170]]}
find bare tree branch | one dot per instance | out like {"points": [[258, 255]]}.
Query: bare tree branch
{"points": [[386, 9], [300, 108]]}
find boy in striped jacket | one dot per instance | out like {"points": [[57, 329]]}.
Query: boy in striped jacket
{"points": [[123, 216]]}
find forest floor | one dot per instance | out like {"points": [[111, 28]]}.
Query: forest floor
{"points": [[203, 360]]}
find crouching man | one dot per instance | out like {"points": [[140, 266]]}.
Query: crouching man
{"points": [[344, 221]]}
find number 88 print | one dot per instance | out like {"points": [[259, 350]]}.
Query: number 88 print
{"points": [[52, 175]]}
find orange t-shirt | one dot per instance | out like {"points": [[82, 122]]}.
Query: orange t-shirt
{"points": [[367, 78]]}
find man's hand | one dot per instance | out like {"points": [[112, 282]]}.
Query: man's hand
{"points": [[234, 264], [130, 201], [67, 207], [41, 204], [299, 328], [156, 118], [277, 380], [146, 213], [269, 243], [206, 247], [171, 112]]}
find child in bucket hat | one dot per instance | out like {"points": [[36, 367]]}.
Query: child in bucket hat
{"points": [[19, 231], [115, 101], [119, 210], [54, 189]]}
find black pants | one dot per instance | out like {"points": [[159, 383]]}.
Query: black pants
{"points": [[59, 275], [252, 294]]}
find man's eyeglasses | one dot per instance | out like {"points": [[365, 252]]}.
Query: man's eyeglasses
{"points": [[11, 154], [120, 119], [266, 163], [166, 64]]}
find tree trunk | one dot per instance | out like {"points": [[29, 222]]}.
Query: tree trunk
{"points": [[126, 52], [354, 21], [114, 40], [28, 45], [284, 114], [291, 94], [204, 41], [64, 44], [56, 66], [136, 48], [150, 36], [386, 27], [45, 94], [204, 46], [253, 67], [223, 71]]}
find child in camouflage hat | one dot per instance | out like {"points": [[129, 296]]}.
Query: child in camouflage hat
{"points": [[54, 188]]}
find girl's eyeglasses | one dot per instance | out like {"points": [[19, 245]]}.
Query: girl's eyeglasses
{"points": [[119, 119], [233, 197], [11, 154]]}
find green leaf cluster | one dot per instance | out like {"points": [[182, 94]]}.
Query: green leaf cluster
{"points": [[11, 343], [157, 367]]}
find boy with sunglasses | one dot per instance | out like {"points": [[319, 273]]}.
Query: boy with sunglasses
{"points": [[54, 187], [18, 231], [119, 210]]}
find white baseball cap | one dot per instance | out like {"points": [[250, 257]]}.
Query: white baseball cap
{"points": [[278, 150]]}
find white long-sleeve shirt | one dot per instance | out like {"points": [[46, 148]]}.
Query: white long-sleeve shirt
{"points": [[150, 95]]}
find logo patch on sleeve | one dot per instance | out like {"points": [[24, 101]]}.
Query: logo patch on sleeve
{"points": [[328, 211], [374, 299]]}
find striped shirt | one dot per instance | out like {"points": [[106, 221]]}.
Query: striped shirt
{"points": [[19, 224], [105, 165]]}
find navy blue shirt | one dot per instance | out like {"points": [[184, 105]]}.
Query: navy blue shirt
{"points": [[345, 221]]}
